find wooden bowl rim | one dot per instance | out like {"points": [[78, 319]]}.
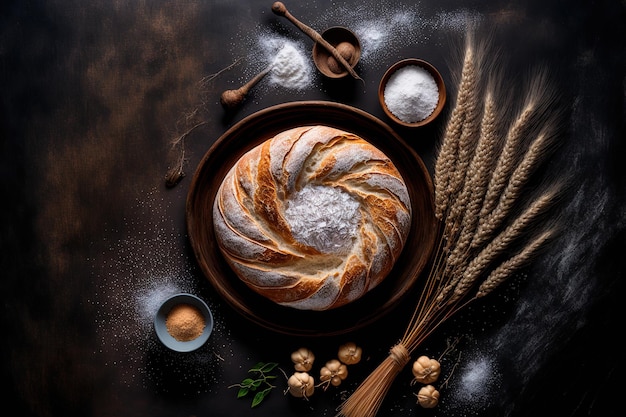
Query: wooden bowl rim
{"points": [[320, 54], [373, 305]]}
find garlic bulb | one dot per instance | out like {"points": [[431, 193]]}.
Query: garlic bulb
{"points": [[303, 359], [426, 370], [334, 371], [349, 353], [428, 397], [301, 384]]}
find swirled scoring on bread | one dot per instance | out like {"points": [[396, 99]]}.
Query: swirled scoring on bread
{"points": [[312, 218]]}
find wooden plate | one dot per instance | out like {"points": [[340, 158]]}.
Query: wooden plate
{"points": [[263, 125]]}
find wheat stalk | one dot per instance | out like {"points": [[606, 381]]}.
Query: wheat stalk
{"points": [[475, 187], [478, 185], [450, 145], [507, 160], [466, 140], [501, 243], [507, 268], [511, 193]]}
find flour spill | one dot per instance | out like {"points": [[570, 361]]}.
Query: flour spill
{"points": [[136, 273], [289, 66], [382, 31], [477, 381], [566, 284]]}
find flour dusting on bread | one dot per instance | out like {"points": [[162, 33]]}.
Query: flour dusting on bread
{"points": [[313, 218]]}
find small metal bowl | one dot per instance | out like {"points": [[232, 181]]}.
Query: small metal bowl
{"points": [[440, 87], [335, 36], [167, 339]]}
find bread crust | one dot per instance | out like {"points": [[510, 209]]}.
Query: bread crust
{"points": [[259, 243]]}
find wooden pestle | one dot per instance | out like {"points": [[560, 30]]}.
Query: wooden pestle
{"points": [[281, 10], [230, 99]]}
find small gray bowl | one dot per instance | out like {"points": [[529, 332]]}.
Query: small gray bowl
{"points": [[166, 338]]}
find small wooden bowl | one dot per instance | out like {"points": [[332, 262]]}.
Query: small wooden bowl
{"points": [[335, 36], [438, 80]]}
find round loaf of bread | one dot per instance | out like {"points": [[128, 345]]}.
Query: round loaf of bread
{"points": [[312, 218]]}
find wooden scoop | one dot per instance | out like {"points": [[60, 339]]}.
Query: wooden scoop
{"points": [[230, 99], [279, 9]]}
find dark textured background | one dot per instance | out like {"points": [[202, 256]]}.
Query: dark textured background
{"points": [[92, 95]]}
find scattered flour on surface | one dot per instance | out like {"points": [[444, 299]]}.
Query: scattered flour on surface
{"points": [[472, 386], [384, 30], [135, 274], [455, 21], [477, 380], [290, 67]]}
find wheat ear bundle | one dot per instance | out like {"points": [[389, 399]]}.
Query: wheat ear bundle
{"points": [[489, 226]]}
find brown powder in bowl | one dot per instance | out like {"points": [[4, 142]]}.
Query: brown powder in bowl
{"points": [[185, 322]]}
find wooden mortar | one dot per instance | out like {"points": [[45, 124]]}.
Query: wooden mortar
{"points": [[281, 10]]}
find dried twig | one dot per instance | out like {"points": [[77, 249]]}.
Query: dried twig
{"points": [[177, 172], [207, 79]]}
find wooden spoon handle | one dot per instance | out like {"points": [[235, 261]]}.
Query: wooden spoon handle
{"points": [[281, 10], [255, 80], [230, 99]]}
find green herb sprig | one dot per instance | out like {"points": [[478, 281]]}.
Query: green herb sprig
{"points": [[259, 384]]}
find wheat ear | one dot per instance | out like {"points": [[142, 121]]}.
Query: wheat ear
{"points": [[468, 205], [501, 243], [535, 154], [507, 268], [447, 156], [467, 145], [507, 160]]}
